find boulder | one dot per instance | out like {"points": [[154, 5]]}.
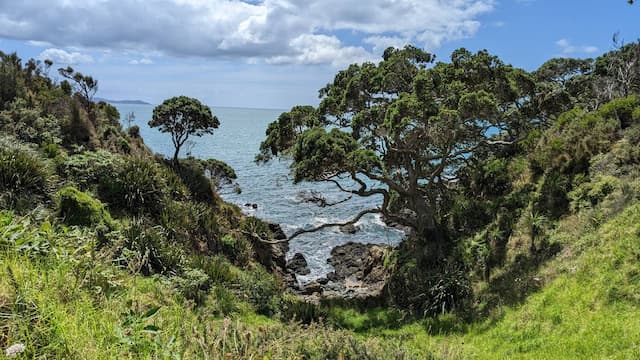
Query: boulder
{"points": [[359, 271], [298, 265], [349, 229]]}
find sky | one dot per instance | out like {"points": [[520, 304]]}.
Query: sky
{"points": [[279, 53]]}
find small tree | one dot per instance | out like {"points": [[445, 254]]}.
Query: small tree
{"points": [[85, 85], [182, 117]]}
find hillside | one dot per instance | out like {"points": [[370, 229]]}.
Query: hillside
{"points": [[522, 247]]}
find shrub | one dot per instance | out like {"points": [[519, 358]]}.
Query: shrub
{"points": [[217, 268], [261, 289], [145, 249], [429, 291], [191, 223], [137, 186], [90, 167], [79, 208], [193, 285], [590, 193], [134, 131], [237, 249], [625, 110], [24, 177], [192, 173]]}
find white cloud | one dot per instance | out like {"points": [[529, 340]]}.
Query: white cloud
{"points": [[566, 48], [143, 61], [276, 31], [322, 49], [63, 57]]}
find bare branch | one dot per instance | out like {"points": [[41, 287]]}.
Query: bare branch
{"points": [[324, 226], [260, 239]]}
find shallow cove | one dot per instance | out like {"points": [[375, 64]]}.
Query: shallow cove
{"points": [[270, 186]]}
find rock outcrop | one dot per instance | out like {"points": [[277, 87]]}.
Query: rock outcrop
{"points": [[298, 265], [359, 273]]}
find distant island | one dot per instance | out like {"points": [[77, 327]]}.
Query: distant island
{"points": [[130, 102]]}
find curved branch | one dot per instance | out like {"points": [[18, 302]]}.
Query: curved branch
{"points": [[260, 239], [324, 226]]}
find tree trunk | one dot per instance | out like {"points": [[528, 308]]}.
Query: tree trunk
{"points": [[430, 238], [175, 155]]}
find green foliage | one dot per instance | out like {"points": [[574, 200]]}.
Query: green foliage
{"points": [[430, 292], [193, 284], [24, 176], [29, 125], [136, 185], [79, 208], [590, 193], [144, 249], [261, 290], [191, 224], [182, 117], [192, 173], [625, 110]]}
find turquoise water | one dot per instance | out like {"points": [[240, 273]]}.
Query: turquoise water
{"points": [[270, 186]]}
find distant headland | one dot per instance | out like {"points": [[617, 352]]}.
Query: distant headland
{"points": [[132, 102]]}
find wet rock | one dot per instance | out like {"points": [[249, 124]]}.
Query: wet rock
{"points": [[349, 229], [298, 265]]}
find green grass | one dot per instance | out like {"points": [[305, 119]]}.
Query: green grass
{"points": [[63, 300], [60, 298]]}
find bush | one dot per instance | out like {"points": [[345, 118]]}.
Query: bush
{"points": [[145, 249], [79, 208], [89, 168], [590, 193], [237, 249], [428, 292], [261, 289], [192, 173], [24, 176], [625, 110], [191, 223], [137, 186], [193, 285], [134, 132]]}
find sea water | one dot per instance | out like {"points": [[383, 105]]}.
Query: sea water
{"points": [[270, 185]]}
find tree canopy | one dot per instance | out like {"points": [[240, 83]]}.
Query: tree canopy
{"points": [[183, 117], [409, 132]]}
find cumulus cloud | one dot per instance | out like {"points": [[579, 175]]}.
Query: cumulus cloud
{"points": [[63, 57], [275, 31], [568, 49]]}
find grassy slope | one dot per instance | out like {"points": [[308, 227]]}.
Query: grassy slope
{"points": [[589, 309]]}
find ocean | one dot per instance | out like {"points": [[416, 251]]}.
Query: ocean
{"points": [[270, 186]]}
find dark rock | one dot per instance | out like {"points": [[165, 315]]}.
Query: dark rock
{"points": [[349, 229], [359, 271], [278, 234], [298, 265], [273, 255], [323, 281], [313, 287]]}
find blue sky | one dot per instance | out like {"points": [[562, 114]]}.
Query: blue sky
{"points": [[278, 53]]}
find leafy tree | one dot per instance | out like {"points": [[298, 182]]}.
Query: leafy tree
{"points": [[410, 134], [182, 117], [85, 85]]}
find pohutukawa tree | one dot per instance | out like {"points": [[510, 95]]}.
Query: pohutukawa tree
{"points": [[407, 130], [182, 117]]}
